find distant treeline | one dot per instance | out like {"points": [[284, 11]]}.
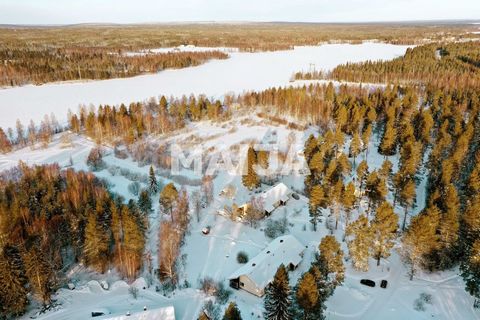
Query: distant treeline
{"points": [[34, 65], [444, 65], [41, 55], [245, 36]]}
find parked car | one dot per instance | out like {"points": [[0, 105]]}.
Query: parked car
{"points": [[100, 312], [295, 196], [384, 284], [206, 230], [368, 282]]}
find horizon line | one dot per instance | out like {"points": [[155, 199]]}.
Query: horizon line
{"points": [[233, 22]]}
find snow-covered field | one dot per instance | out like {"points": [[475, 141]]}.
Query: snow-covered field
{"points": [[242, 71], [214, 255]]}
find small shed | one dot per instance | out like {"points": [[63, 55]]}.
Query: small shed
{"points": [[271, 199], [275, 197]]}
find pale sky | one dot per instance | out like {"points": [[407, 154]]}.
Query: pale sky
{"points": [[137, 11]]}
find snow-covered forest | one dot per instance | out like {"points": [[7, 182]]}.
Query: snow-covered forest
{"points": [[347, 191]]}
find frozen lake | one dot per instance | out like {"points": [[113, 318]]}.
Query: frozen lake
{"points": [[241, 72]]}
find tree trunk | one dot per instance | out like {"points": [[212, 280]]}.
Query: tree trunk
{"points": [[405, 218]]}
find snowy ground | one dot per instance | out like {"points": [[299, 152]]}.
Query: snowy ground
{"points": [[214, 255], [242, 71]]}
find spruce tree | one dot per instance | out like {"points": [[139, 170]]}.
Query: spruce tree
{"points": [[278, 299], [144, 202], [250, 179], [152, 181], [232, 312]]}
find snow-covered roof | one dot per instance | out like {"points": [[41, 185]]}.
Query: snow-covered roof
{"points": [[278, 193], [262, 268], [167, 313]]}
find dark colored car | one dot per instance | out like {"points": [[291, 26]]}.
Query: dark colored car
{"points": [[368, 282], [206, 230], [295, 196], [384, 284]]}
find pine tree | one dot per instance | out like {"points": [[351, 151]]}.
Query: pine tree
{"points": [[388, 144], [250, 179], [375, 189], [262, 159], [20, 133], [471, 221], [470, 270], [448, 229], [331, 256], [278, 297], [96, 244], [232, 312], [306, 296], [473, 185], [355, 147], [361, 243], [335, 197], [13, 292], [317, 162], [152, 181], [311, 145], [421, 239], [168, 197], [181, 211], [133, 244], [362, 174], [384, 227], [324, 289], [318, 200], [349, 199], [367, 133], [40, 274], [386, 170], [5, 145]]}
